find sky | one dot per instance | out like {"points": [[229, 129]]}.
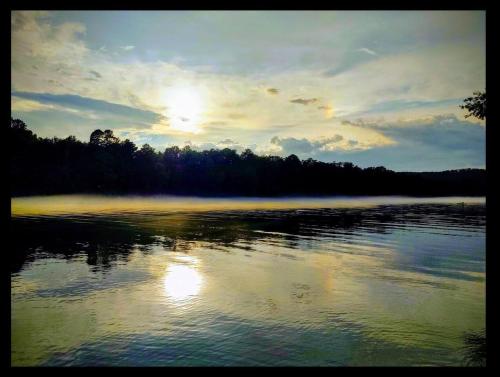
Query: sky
{"points": [[376, 88]]}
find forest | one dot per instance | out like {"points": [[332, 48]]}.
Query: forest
{"points": [[107, 165]]}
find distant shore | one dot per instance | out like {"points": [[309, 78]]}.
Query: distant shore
{"points": [[108, 165]]}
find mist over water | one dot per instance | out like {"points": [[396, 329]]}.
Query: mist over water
{"points": [[146, 281]]}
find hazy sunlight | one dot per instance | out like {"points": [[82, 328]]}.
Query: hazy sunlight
{"points": [[184, 108]]}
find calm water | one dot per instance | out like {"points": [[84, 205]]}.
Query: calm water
{"points": [[168, 281]]}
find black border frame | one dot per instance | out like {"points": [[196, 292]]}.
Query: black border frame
{"points": [[493, 188]]}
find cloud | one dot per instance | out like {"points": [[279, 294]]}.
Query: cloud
{"points": [[398, 105], [418, 78], [304, 101], [142, 117], [22, 105], [289, 145], [367, 50], [33, 36], [127, 48], [223, 144], [432, 143], [445, 132], [96, 74], [327, 111], [293, 145], [227, 141], [350, 60], [273, 91]]}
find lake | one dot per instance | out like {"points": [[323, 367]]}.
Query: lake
{"points": [[166, 281]]}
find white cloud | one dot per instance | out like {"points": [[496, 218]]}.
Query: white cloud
{"points": [[368, 51]]}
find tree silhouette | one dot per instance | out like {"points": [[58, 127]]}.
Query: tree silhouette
{"points": [[103, 138], [108, 165], [475, 105]]}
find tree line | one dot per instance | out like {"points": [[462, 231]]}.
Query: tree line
{"points": [[106, 164]]}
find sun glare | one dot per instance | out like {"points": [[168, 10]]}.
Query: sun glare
{"points": [[182, 282], [185, 107]]}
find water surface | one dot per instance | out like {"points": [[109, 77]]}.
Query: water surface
{"points": [[184, 281]]}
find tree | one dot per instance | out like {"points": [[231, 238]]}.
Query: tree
{"points": [[106, 164], [109, 138], [247, 154], [172, 153], [19, 133], [96, 137], [103, 138], [292, 160], [475, 105], [17, 124]]}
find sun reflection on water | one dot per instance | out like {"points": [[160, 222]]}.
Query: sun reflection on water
{"points": [[182, 280]]}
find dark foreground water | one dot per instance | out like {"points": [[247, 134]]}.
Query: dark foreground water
{"points": [[168, 281]]}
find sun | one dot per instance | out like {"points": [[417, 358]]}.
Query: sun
{"points": [[185, 107]]}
